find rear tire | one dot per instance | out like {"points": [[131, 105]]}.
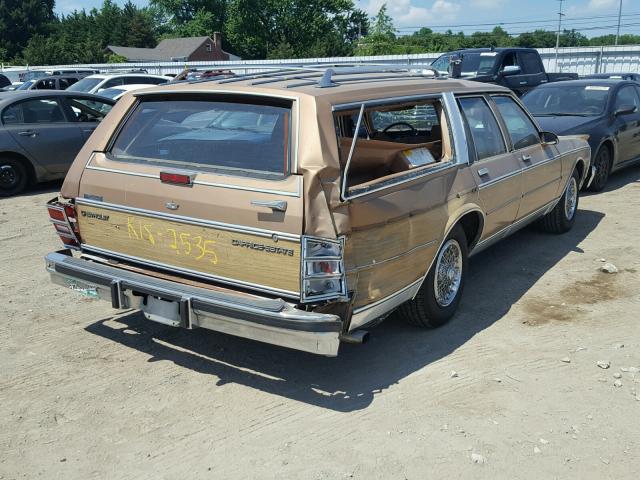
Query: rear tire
{"points": [[563, 215], [439, 296], [602, 162], [13, 176]]}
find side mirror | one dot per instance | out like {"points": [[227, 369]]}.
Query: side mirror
{"points": [[625, 110], [510, 70], [549, 138]]}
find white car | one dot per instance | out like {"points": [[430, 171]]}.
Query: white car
{"points": [[102, 81], [115, 93]]}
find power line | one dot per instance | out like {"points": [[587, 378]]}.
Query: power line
{"points": [[500, 23], [566, 24]]}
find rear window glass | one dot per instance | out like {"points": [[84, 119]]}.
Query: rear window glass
{"points": [[225, 137]]}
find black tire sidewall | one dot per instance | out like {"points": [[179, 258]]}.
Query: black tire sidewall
{"points": [[596, 187], [436, 314], [21, 171]]}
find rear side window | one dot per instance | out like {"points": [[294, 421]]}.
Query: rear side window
{"points": [[245, 139], [627, 96], [521, 129], [530, 63], [393, 141], [33, 111], [485, 132]]}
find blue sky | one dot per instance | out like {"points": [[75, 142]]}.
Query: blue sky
{"points": [[591, 17]]}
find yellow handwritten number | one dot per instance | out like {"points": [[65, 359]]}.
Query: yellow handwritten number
{"points": [[185, 244]]}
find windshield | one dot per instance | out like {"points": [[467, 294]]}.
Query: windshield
{"points": [[111, 92], [233, 138], [26, 85], [472, 63], [85, 85], [569, 100]]}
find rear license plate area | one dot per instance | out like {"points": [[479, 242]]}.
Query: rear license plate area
{"points": [[162, 311]]}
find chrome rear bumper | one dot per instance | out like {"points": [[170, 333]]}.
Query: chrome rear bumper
{"points": [[267, 320]]}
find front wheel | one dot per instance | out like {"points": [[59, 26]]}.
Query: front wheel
{"points": [[439, 296], [563, 215], [602, 162]]}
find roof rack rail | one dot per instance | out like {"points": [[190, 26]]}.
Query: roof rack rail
{"points": [[330, 75]]}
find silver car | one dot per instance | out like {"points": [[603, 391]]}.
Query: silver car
{"points": [[41, 132]]}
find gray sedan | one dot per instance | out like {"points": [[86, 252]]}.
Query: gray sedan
{"points": [[41, 132]]}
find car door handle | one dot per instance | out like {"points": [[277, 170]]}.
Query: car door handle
{"points": [[526, 158], [483, 172], [276, 205], [28, 133]]}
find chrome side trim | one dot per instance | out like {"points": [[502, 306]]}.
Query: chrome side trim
{"points": [[493, 181], [363, 315], [188, 220], [517, 225], [505, 204], [540, 187], [385, 101], [524, 170], [194, 273], [354, 141], [297, 193], [390, 259], [456, 128], [428, 171]]}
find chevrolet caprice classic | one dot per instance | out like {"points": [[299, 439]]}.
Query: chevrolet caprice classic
{"points": [[298, 207]]}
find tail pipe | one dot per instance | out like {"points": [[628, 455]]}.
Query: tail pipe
{"points": [[357, 336]]}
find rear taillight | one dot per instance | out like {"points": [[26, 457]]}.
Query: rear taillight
{"points": [[322, 269], [63, 217], [177, 178]]}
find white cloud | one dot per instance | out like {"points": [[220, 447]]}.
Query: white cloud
{"points": [[598, 6], [405, 13], [487, 3]]}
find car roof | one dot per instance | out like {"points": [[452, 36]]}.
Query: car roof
{"points": [[26, 94], [104, 76], [604, 82], [486, 49], [53, 77], [344, 86], [132, 86]]}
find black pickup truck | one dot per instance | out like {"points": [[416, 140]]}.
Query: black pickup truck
{"points": [[519, 69]]}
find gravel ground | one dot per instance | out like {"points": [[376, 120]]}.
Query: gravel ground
{"points": [[511, 388]]}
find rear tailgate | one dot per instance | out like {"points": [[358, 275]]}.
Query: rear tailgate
{"points": [[240, 226]]}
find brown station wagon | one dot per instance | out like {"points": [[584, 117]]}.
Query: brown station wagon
{"points": [[298, 207]]}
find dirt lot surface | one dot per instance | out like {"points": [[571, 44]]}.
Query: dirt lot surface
{"points": [[509, 389]]}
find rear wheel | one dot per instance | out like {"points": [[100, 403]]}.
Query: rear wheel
{"points": [[13, 177], [602, 162], [438, 298], [563, 215]]}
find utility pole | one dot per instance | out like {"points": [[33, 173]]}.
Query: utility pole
{"points": [[560, 15], [619, 17]]}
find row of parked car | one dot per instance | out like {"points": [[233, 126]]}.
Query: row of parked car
{"points": [[303, 206]]}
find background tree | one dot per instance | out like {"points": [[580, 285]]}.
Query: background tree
{"points": [[270, 28], [22, 19]]}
